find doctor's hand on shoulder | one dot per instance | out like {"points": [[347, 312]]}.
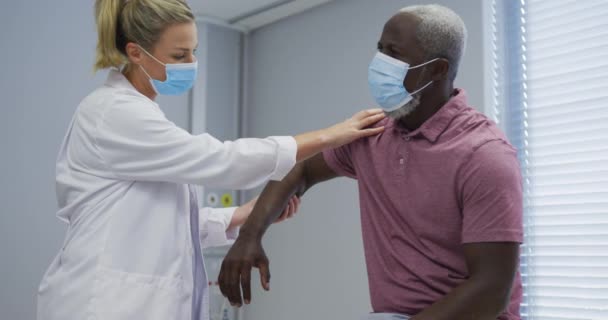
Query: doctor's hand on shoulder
{"points": [[358, 126]]}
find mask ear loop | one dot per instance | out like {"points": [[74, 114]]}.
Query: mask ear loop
{"points": [[417, 91], [423, 64], [151, 56], [146, 72], [418, 66], [149, 79]]}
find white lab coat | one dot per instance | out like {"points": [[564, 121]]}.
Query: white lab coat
{"points": [[123, 176]]}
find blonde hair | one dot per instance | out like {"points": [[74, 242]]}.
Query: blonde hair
{"points": [[140, 21]]}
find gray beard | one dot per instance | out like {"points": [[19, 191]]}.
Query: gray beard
{"points": [[406, 109]]}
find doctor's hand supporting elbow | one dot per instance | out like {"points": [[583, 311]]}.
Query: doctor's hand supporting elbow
{"points": [[242, 213]]}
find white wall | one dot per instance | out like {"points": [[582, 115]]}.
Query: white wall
{"points": [[307, 72], [47, 55], [219, 84]]}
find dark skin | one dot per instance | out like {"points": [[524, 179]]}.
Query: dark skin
{"points": [[492, 266], [399, 41]]}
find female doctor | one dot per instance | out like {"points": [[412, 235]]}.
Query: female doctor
{"points": [[124, 175]]}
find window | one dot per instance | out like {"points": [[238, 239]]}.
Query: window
{"points": [[549, 72]]}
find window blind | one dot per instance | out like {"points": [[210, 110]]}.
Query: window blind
{"points": [[549, 64]]}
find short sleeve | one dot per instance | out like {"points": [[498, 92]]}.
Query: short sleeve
{"points": [[340, 161], [492, 195]]}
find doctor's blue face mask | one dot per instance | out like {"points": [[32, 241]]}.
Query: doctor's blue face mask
{"points": [[385, 79], [180, 77]]}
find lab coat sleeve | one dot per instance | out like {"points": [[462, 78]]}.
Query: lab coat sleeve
{"points": [[214, 230], [137, 142]]}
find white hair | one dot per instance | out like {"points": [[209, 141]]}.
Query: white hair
{"points": [[441, 33]]}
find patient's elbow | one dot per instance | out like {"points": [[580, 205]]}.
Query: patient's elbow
{"points": [[498, 293]]}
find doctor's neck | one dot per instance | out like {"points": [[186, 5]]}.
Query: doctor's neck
{"points": [[139, 80]]}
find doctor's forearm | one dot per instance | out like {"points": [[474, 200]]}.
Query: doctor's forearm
{"points": [[239, 217], [311, 143], [356, 127]]}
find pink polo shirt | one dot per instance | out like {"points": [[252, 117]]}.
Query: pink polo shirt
{"points": [[423, 194]]}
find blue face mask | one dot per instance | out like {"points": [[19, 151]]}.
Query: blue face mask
{"points": [[180, 77], [385, 78]]}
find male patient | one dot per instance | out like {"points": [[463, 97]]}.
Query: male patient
{"points": [[440, 189]]}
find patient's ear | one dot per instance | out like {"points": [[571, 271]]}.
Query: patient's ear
{"points": [[440, 69]]}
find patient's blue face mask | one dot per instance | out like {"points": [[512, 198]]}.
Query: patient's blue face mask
{"points": [[180, 77], [385, 78]]}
